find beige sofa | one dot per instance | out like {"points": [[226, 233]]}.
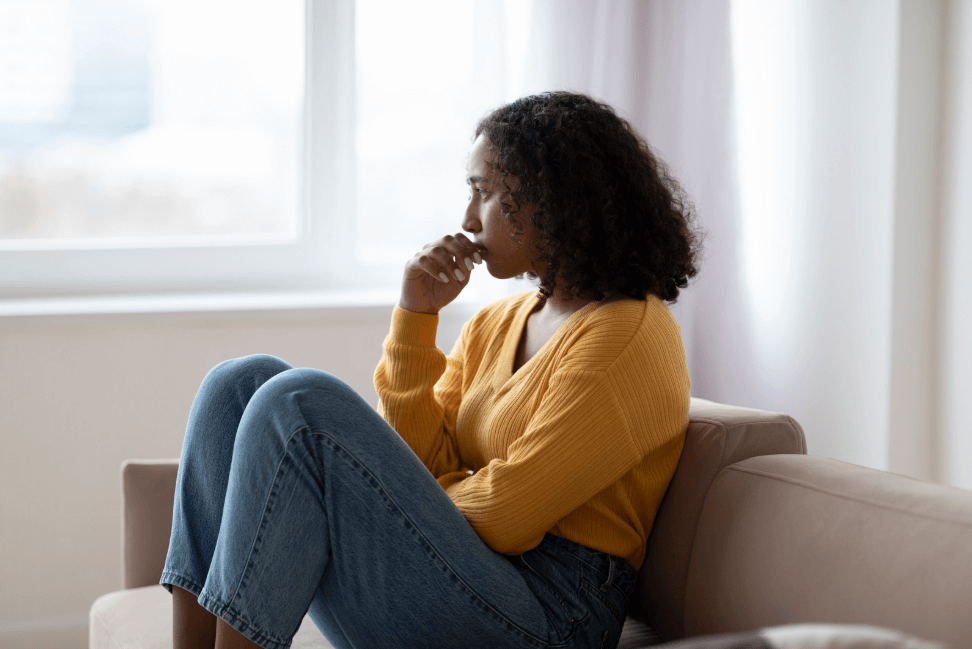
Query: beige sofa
{"points": [[752, 533]]}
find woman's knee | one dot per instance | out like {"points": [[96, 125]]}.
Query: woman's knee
{"points": [[310, 395], [246, 374], [302, 407], [305, 380]]}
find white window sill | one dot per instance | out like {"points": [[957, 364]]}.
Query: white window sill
{"points": [[197, 303], [247, 303]]}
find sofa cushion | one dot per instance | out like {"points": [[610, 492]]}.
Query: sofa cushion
{"points": [[141, 618], [794, 636], [129, 619], [787, 539], [841, 636], [746, 640], [718, 435]]}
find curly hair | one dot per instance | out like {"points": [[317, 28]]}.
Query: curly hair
{"points": [[609, 217]]}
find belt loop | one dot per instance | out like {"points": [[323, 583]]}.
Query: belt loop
{"points": [[610, 576]]}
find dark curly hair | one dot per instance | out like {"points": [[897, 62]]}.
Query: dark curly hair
{"points": [[610, 219]]}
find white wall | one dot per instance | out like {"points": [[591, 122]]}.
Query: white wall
{"points": [[79, 394]]}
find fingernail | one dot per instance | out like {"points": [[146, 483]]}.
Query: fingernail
{"points": [[469, 263], [479, 257], [459, 275], [444, 277]]}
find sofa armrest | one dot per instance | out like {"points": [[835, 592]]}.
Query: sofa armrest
{"points": [[148, 491], [718, 435], [788, 539]]}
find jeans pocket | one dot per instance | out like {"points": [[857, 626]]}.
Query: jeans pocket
{"points": [[611, 589], [605, 600], [552, 592]]}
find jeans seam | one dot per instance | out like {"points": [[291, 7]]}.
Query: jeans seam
{"points": [[606, 640], [560, 600], [256, 537], [181, 578], [563, 605], [428, 543], [221, 609], [602, 597]]}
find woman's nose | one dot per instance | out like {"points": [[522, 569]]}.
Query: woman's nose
{"points": [[470, 222]]}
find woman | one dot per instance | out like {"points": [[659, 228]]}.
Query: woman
{"points": [[500, 497]]}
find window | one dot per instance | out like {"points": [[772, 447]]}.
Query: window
{"points": [[198, 145], [140, 119]]}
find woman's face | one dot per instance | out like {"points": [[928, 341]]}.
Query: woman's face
{"points": [[504, 257]]}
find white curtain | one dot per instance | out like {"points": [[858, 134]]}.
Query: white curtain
{"points": [[827, 147], [953, 243]]}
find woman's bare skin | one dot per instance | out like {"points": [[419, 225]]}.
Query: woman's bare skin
{"points": [[193, 627]]}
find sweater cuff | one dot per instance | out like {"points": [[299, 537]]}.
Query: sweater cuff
{"points": [[410, 328]]}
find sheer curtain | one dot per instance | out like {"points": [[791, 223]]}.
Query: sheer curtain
{"points": [[827, 147]]}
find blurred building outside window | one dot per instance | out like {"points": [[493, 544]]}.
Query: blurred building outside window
{"points": [[145, 118]]}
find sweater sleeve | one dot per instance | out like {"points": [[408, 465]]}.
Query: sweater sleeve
{"points": [[578, 443], [419, 389]]}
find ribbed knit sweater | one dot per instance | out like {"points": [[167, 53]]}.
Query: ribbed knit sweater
{"points": [[581, 441]]}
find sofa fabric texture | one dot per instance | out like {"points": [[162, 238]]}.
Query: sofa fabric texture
{"points": [[148, 492], [785, 539]]}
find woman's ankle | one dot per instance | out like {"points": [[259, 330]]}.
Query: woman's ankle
{"points": [[229, 638], [193, 627]]}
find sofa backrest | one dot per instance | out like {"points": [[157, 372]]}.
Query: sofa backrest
{"points": [[785, 539], [717, 436]]}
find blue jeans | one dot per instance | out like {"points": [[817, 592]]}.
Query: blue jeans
{"points": [[294, 496]]}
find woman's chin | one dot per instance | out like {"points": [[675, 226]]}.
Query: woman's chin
{"points": [[499, 273], [492, 270]]}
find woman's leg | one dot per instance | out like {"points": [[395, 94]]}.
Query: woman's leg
{"points": [[326, 504], [201, 488], [193, 627]]}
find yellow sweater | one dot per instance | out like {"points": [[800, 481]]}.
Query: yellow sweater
{"points": [[581, 441]]}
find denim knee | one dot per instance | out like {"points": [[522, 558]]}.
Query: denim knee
{"points": [[304, 394], [243, 376], [305, 380], [309, 379]]}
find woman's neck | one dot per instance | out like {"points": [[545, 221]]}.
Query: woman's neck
{"points": [[556, 306]]}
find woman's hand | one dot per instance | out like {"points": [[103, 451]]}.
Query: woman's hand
{"points": [[438, 273]]}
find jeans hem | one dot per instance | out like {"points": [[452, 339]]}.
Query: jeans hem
{"points": [[170, 579], [229, 615]]}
